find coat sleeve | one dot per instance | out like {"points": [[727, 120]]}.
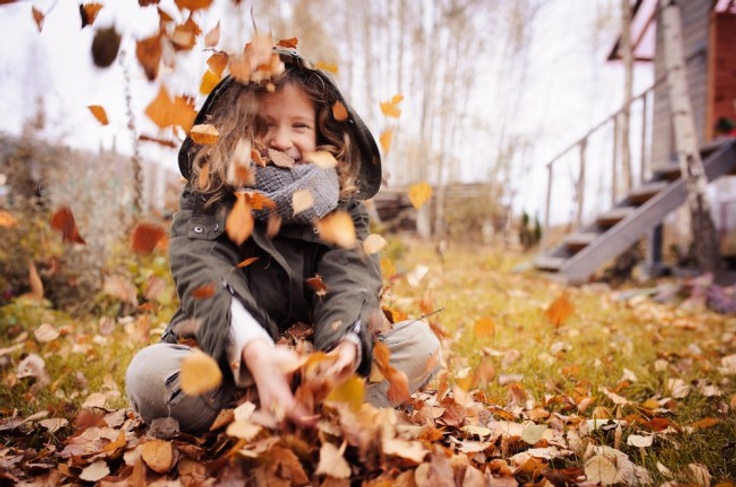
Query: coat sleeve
{"points": [[202, 261], [353, 280]]}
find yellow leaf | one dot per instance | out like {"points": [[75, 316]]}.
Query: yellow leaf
{"points": [[374, 243], [321, 158], [385, 139], [337, 228], [209, 81], [559, 310], [205, 134], [391, 108], [199, 373], [419, 194], [212, 37], [99, 113], [350, 392], [239, 223], [388, 268], [484, 327], [329, 67], [302, 200]]}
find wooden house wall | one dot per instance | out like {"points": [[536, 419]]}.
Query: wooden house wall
{"points": [[722, 89], [695, 25]]}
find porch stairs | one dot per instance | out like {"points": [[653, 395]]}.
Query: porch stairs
{"points": [[586, 250]]}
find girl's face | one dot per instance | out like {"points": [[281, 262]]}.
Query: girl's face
{"points": [[289, 116]]}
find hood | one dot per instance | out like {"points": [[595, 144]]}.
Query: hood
{"points": [[369, 177]]}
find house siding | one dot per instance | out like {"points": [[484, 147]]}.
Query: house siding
{"points": [[695, 25], [722, 94]]}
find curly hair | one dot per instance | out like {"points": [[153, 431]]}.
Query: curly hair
{"points": [[235, 116]]}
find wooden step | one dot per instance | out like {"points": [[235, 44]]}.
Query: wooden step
{"points": [[578, 241], [669, 172], [613, 216], [640, 195], [548, 263]]}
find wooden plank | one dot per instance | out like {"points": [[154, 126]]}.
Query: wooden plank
{"points": [[578, 241], [613, 216], [639, 195]]}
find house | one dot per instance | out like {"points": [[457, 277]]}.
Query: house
{"points": [[709, 44]]}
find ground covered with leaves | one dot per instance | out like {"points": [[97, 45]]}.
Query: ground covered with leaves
{"points": [[541, 385]]}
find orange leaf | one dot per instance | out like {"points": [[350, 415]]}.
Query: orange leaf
{"points": [[559, 310], [240, 171], [212, 37], [419, 194], [99, 113], [398, 386], [259, 201], [239, 67], [89, 13], [257, 159], [239, 223], [385, 139], [193, 4], [158, 455], [484, 327], [205, 134], [337, 228], [7, 220], [38, 17], [339, 112], [317, 285], [148, 51], [391, 108], [217, 63], [246, 262], [288, 43], [209, 81], [164, 111], [273, 225], [63, 221], [321, 158], [145, 237], [204, 291]]}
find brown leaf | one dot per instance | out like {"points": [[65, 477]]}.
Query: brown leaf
{"points": [[288, 43], [163, 142], [35, 281], [185, 35], [145, 237], [148, 51], [559, 310], [239, 223], [38, 17], [204, 291], [63, 221], [199, 373], [99, 113], [7, 220], [122, 288], [95, 471], [212, 38], [193, 4], [88, 12], [240, 171], [165, 111], [280, 159], [205, 134], [217, 62], [419, 194], [105, 46], [339, 112], [337, 228], [246, 262], [239, 67], [259, 201], [273, 225], [317, 285], [332, 463], [158, 454], [301, 200]]}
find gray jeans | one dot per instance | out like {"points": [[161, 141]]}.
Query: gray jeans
{"points": [[152, 378]]}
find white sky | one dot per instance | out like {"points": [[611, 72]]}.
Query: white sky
{"points": [[570, 87]]}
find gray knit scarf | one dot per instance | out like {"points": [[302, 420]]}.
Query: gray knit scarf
{"points": [[279, 185]]}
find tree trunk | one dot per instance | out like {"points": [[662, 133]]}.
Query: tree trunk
{"points": [[628, 58], [706, 248]]}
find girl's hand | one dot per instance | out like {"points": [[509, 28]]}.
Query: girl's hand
{"points": [[271, 368], [346, 362]]}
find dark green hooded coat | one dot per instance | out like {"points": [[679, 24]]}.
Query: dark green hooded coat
{"points": [[273, 287]]}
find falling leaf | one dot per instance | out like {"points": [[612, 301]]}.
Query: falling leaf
{"points": [[162, 142], [273, 226], [209, 81], [193, 4], [239, 223], [246, 262], [199, 373], [328, 67], [337, 228], [35, 281], [149, 51], [281, 159], [245, 430], [332, 463], [63, 221], [88, 12], [7, 220], [212, 38], [317, 285], [419, 193], [484, 328], [165, 111], [239, 67], [302, 200], [559, 310], [38, 17], [145, 237], [350, 392], [204, 291], [288, 43], [391, 108], [105, 46], [99, 113], [259, 201], [217, 62], [257, 159], [339, 112], [95, 471], [159, 454], [122, 288], [240, 171], [205, 134], [185, 35], [373, 244], [46, 333], [385, 139], [322, 159]]}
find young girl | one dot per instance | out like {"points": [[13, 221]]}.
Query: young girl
{"points": [[238, 323]]}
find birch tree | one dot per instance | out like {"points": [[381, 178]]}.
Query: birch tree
{"points": [[705, 242]]}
